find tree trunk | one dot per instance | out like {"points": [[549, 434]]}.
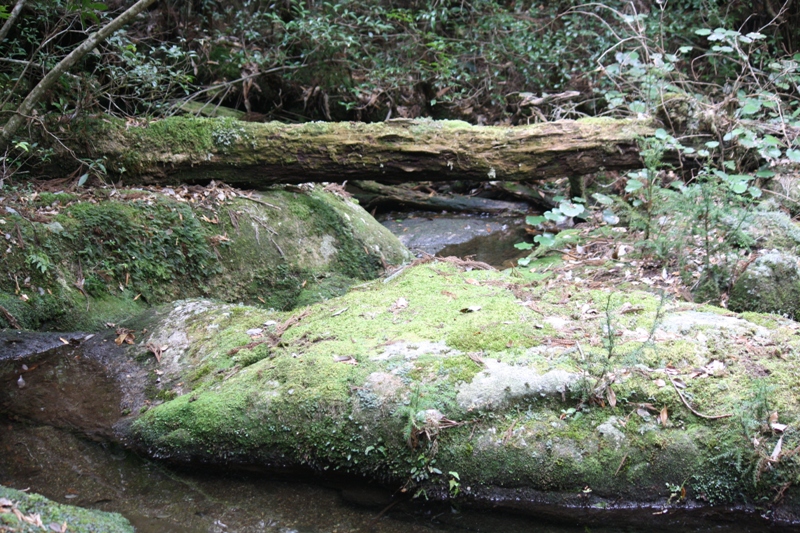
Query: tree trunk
{"points": [[24, 110], [12, 17], [256, 154]]}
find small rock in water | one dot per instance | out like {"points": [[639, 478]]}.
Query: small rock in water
{"points": [[21, 383]]}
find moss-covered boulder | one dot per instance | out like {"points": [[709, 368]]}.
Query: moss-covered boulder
{"points": [[771, 228], [770, 284], [76, 262], [22, 512], [487, 387]]}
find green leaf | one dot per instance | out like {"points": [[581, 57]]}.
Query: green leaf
{"points": [[768, 173], [523, 246], [554, 215], [755, 192], [609, 217], [545, 239], [603, 199], [751, 107], [571, 209], [523, 262], [793, 155], [712, 144], [638, 107], [83, 179], [661, 134], [702, 32], [633, 185], [739, 187], [534, 220]]}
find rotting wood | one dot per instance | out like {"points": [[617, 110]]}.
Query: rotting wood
{"points": [[250, 154], [379, 195]]}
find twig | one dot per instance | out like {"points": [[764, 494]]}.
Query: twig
{"points": [[10, 318], [621, 463], [262, 202], [689, 407]]}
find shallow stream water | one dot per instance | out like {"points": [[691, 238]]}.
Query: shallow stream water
{"points": [[490, 239]]}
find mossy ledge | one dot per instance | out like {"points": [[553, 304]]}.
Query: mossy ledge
{"points": [[107, 255], [76, 519], [463, 385]]}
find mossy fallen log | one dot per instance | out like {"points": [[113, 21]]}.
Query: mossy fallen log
{"points": [[256, 154]]}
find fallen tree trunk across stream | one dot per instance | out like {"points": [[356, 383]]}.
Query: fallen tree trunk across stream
{"points": [[255, 154]]}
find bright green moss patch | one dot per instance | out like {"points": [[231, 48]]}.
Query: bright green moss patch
{"points": [[77, 520], [372, 382]]}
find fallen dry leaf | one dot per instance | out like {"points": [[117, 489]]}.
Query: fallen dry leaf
{"points": [[611, 396], [124, 335], [398, 305], [663, 416], [156, 350]]}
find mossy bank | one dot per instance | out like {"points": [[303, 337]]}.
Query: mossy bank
{"points": [[78, 261], [456, 384], [53, 516]]}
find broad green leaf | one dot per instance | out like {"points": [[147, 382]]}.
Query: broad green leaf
{"points": [[638, 107], [523, 246], [755, 192], [702, 31], [661, 134], [767, 173], [793, 155], [712, 144], [603, 199], [633, 185], [571, 209], [751, 107], [523, 262], [545, 239], [609, 217], [739, 187], [554, 216]]}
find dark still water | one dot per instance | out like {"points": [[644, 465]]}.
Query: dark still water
{"points": [[158, 499]]}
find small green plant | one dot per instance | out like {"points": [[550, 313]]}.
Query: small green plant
{"points": [[549, 221], [596, 367], [454, 483], [40, 261]]}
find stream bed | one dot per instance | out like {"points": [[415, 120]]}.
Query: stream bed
{"points": [[489, 239], [54, 440]]}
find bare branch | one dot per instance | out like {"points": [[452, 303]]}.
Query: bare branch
{"points": [[11, 19], [36, 94]]}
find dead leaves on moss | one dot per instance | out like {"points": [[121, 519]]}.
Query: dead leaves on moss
{"points": [[34, 519]]}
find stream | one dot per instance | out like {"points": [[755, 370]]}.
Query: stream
{"points": [[55, 439], [489, 239]]}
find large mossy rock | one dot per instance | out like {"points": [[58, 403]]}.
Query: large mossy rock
{"points": [[53, 516], [770, 284], [486, 387], [78, 262]]}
